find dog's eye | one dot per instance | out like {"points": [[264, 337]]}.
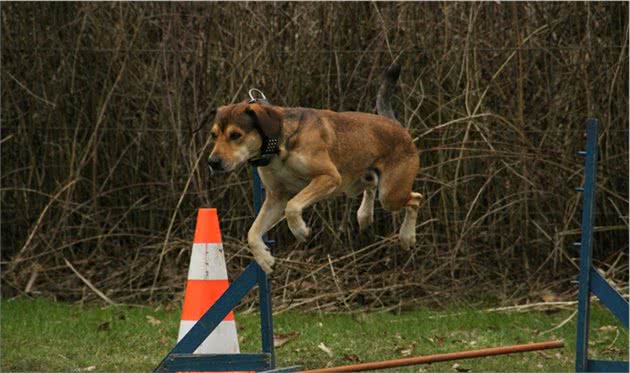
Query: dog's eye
{"points": [[213, 135], [235, 136]]}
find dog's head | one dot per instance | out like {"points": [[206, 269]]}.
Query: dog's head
{"points": [[237, 132]]}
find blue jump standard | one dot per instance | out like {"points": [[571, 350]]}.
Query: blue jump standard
{"points": [[181, 357], [590, 280]]}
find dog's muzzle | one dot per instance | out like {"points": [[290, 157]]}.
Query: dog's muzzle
{"points": [[215, 164]]}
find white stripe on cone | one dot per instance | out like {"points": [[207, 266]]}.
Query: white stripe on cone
{"points": [[207, 262]]}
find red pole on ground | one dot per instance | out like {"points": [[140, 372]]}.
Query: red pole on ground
{"points": [[441, 357]]}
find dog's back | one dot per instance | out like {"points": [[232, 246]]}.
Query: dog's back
{"points": [[361, 136]]}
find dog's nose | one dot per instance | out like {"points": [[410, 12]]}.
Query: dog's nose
{"points": [[215, 164]]}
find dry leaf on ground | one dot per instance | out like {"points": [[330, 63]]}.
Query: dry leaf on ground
{"points": [[153, 321], [323, 347], [543, 354], [607, 328], [281, 339], [459, 368], [106, 325], [351, 357], [406, 350]]}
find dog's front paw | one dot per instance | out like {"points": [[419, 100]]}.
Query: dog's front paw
{"points": [[300, 232], [265, 260]]}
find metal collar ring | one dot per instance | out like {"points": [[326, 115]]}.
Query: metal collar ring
{"points": [[258, 92]]}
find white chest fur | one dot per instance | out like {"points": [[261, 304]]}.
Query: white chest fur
{"points": [[290, 174]]}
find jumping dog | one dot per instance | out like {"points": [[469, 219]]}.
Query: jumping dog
{"points": [[306, 155]]}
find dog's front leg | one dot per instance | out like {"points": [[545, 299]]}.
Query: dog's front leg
{"points": [[270, 214], [319, 188]]}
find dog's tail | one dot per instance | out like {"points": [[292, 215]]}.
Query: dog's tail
{"points": [[386, 91]]}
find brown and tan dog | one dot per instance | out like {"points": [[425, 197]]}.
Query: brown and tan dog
{"points": [[320, 153]]}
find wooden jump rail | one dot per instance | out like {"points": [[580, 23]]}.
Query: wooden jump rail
{"points": [[442, 357]]}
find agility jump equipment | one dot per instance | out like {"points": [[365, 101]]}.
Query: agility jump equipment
{"points": [[590, 279], [181, 357]]}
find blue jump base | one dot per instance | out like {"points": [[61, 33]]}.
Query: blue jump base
{"points": [[590, 281]]}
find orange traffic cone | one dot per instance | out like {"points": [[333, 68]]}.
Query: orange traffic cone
{"points": [[207, 280]]}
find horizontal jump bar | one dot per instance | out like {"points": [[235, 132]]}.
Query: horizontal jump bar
{"points": [[215, 362], [607, 366], [442, 357]]}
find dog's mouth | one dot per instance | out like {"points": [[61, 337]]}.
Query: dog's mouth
{"points": [[222, 167], [217, 166], [214, 170]]}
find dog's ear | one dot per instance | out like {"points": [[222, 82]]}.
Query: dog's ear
{"points": [[268, 119], [204, 118]]}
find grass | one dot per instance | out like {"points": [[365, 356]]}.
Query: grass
{"points": [[40, 335]]}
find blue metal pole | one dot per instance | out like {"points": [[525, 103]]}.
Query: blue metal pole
{"points": [[264, 283], [586, 249]]}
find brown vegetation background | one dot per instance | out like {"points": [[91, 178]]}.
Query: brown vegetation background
{"points": [[102, 173]]}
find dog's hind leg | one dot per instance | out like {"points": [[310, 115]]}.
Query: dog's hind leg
{"points": [[365, 214], [395, 193], [407, 233]]}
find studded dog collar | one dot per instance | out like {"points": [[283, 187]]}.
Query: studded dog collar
{"points": [[270, 145]]}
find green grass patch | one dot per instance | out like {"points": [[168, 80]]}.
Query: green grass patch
{"points": [[40, 335]]}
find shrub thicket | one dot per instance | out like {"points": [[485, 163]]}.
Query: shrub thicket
{"points": [[101, 170]]}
